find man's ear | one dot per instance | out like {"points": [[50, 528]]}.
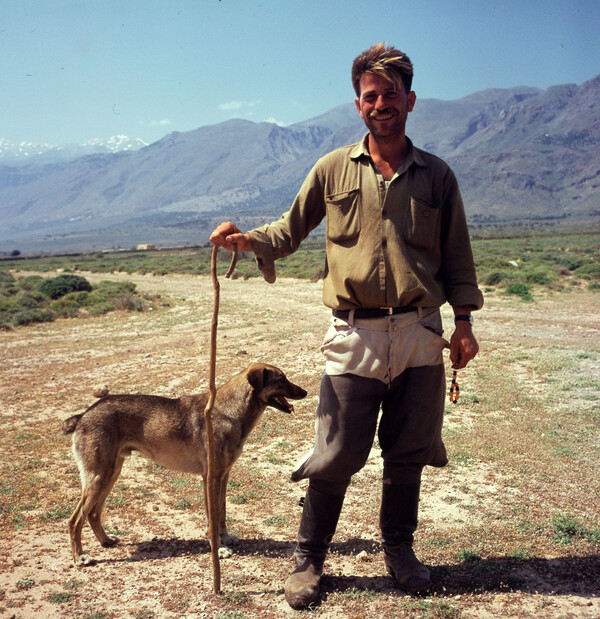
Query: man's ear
{"points": [[357, 103], [412, 99]]}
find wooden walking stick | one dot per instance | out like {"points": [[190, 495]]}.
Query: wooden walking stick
{"points": [[212, 508]]}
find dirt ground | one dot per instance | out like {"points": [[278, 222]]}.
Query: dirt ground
{"points": [[162, 566]]}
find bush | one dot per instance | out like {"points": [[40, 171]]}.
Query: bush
{"points": [[63, 284], [497, 277], [104, 298], [520, 290], [130, 303], [30, 299], [6, 279], [541, 275], [31, 282], [35, 299], [589, 271], [28, 316]]}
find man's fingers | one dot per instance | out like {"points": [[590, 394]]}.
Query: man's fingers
{"points": [[224, 234]]}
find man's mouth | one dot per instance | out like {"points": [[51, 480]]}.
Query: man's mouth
{"points": [[380, 117]]}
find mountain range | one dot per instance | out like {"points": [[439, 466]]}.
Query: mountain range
{"points": [[22, 153], [522, 156]]}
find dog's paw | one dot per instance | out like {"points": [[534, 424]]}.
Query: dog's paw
{"points": [[229, 540], [225, 553], [109, 542], [85, 560]]}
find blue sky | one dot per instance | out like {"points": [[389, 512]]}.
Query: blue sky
{"points": [[71, 71]]}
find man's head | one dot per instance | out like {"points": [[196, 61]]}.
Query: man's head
{"points": [[386, 61]]}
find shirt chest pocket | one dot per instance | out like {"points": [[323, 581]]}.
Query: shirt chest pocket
{"points": [[343, 215], [423, 222]]}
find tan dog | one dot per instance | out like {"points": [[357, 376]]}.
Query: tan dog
{"points": [[170, 432]]}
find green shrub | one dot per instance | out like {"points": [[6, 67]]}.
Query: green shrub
{"points": [[497, 277], [521, 290], [6, 279], [31, 282], [130, 303], [63, 284], [67, 306], [589, 271], [31, 299], [542, 276], [35, 299], [104, 297], [29, 316]]}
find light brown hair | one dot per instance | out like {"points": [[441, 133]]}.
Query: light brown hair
{"points": [[387, 61]]}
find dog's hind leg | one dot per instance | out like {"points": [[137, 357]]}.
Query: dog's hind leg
{"points": [[76, 522], [95, 514], [92, 489], [95, 489]]}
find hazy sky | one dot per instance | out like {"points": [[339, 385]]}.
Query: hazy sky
{"points": [[73, 70]]}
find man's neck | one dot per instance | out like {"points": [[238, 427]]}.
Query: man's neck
{"points": [[388, 153]]}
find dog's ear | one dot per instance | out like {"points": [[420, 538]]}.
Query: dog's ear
{"points": [[258, 376]]}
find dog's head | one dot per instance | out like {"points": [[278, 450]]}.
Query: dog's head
{"points": [[272, 386]]}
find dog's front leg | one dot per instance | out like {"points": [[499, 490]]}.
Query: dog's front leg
{"points": [[226, 540]]}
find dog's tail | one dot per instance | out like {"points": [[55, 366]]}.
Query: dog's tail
{"points": [[69, 425]]}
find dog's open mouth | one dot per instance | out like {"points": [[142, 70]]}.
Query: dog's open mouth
{"points": [[281, 404]]}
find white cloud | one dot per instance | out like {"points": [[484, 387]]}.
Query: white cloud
{"points": [[276, 122], [236, 105], [161, 123]]}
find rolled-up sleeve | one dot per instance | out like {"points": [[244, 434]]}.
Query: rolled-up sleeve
{"points": [[283, 237]]}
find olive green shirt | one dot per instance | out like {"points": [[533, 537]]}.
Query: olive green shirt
{"points": [[406, 243]]}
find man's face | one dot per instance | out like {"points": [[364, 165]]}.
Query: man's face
{"points": [[384, 106]]}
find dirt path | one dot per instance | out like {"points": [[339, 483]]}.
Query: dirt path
{"points": [[162, 566]]}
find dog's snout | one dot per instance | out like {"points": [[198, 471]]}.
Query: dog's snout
{"points": [[300, 393]]}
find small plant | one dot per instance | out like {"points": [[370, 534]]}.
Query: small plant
{"points": [[520, 554], [24, 584], [468, 556], [566, 528], [58, 513], [59, 598], [276, 521], [183, 504]]}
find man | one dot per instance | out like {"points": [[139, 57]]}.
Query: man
{"points": [[397, 249]]}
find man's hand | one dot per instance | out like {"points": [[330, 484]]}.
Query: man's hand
{"points": [[463, 345], [228, 234]]}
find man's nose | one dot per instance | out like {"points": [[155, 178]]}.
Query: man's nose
{"points": [[381, 102]]}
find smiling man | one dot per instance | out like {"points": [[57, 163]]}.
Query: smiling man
{"points": [[397, 249]]}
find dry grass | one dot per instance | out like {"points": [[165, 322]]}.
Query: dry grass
{"points": [[510, 527]]}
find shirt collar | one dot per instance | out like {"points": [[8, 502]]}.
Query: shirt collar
{"points": [[412, 156]]}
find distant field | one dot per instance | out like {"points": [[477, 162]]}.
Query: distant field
{"points": [[523, 262]]}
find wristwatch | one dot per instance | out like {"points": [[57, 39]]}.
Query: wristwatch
{"points": [[463, 317]]}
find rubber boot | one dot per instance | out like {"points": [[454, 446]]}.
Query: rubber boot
{"points": [[398, 522], [317, 526]]}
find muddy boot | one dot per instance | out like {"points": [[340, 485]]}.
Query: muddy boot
{"points": [[317, 526], [398, 521]]}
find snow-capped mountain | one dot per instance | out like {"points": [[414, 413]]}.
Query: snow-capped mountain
{"points": [[20, 153]]}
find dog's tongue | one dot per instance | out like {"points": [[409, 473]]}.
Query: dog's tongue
{"points": [[285, 403]]}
